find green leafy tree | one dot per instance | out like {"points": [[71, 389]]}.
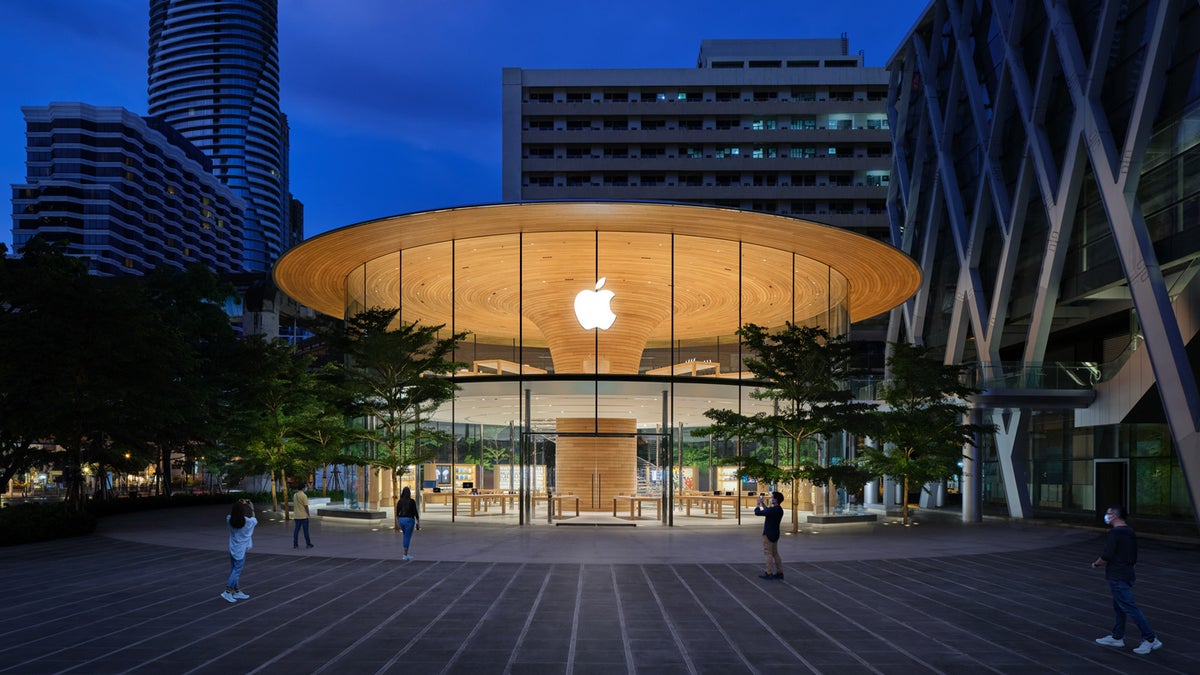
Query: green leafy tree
{"points": [[919, 431], [185, 368], [22, 422], [804, 370], [328, 432], [280, 395], [107, 367], [398, 375]]}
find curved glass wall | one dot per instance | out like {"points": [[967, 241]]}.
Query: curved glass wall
{"points": [[589, 360]]}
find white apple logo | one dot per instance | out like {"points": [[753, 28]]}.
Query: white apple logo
{"points": [[592, 310]]}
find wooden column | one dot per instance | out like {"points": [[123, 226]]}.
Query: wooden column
{"points": [[596, 468]]}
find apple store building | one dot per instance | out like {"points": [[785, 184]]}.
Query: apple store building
{"points": [[598, 334]]}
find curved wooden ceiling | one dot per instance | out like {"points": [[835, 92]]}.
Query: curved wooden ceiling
{"points": [[563, 260]]}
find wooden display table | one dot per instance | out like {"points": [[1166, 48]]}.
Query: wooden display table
{"points": [[711, 503], [638, 501], [692, 368], [557, 504], [502, 367]]}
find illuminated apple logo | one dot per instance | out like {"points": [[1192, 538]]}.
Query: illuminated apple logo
{"points": [[592, 310]]}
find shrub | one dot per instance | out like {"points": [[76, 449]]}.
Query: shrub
{"points": [[108, 507], [28, 523]]}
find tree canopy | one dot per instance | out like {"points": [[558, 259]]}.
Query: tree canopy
{"points": [[804, 370], [920, 430], [394, 372]]}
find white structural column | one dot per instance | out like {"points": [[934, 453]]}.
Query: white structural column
{"points": [[948, 200], [1117, 174]]}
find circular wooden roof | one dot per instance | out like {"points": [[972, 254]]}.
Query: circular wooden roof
{"points": [[879, 277]]}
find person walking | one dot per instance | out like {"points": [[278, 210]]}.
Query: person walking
{"points": [[772, 514], [407, 518], [1118, 557], [300, 515], [241, 522]]}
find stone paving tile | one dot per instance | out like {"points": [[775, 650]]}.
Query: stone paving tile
{"points": [[102, 604]]}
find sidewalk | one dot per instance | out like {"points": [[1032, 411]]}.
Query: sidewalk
{"points": [[141, 596]]}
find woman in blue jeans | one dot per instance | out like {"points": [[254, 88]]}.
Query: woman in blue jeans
{"points": [[407, 518], [241, 523]]}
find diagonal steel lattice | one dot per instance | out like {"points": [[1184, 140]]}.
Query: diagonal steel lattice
{"points": [[1015, 121]]}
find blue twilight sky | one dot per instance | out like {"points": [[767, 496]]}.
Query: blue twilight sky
{"points": [[394, 105]]}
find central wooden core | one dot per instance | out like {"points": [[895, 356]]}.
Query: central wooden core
{"points": [[596, 468]]}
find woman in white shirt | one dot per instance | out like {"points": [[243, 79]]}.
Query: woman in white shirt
{"points": [[241, 523]]}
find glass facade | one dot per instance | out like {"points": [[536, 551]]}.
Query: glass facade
{"points": [[599, 407], [597, 335]]}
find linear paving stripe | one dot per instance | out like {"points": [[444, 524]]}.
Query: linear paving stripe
{"points": [[525, 625], [671, 625], [493, 609], [716, 623], [162, 654], [992, 601], [1009, 599], [786, 607], [846, 581]]}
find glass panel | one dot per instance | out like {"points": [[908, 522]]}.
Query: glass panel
{"points": [[487, 302], [355, 294], [636, 269], [382, 282], [707, 307], [767, 286], [425, 284], [557, 266]]}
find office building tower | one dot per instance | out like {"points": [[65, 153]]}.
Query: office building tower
{"points": [[791, 127], [1046, 180], [126, 192], [214, 76]]}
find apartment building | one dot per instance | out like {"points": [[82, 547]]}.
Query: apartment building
{"points": [[214, 76], [128, 193], [790, 127]]}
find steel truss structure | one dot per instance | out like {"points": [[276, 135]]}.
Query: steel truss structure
{"points": [[1014, 122]]}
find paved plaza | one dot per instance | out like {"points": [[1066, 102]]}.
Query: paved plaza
{"points": [[487, 596]]}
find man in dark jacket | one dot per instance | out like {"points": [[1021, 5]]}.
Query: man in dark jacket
{"points": [[1118, 557], [772, 515]]}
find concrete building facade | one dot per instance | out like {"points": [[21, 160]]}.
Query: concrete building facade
{"points": [[789, 127], [1047, 179], [126, 192]]}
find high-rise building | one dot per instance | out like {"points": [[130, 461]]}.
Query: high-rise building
{"points": [[1046, 179], [214, 76], [792, 127], [127, 193]]}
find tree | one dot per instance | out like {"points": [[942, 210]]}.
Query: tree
{"points": [[279, 398], [398, 373], [804, 370], [187, 368], [919, 431], [328, 432]]}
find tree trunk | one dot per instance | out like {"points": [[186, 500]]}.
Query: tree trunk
{"points": [[164, 469], [395, 482], [287, 513], [904, 500], [274, 494]]}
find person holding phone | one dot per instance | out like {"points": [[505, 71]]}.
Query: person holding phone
{"points": [[772, 512], [241, 523]]}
